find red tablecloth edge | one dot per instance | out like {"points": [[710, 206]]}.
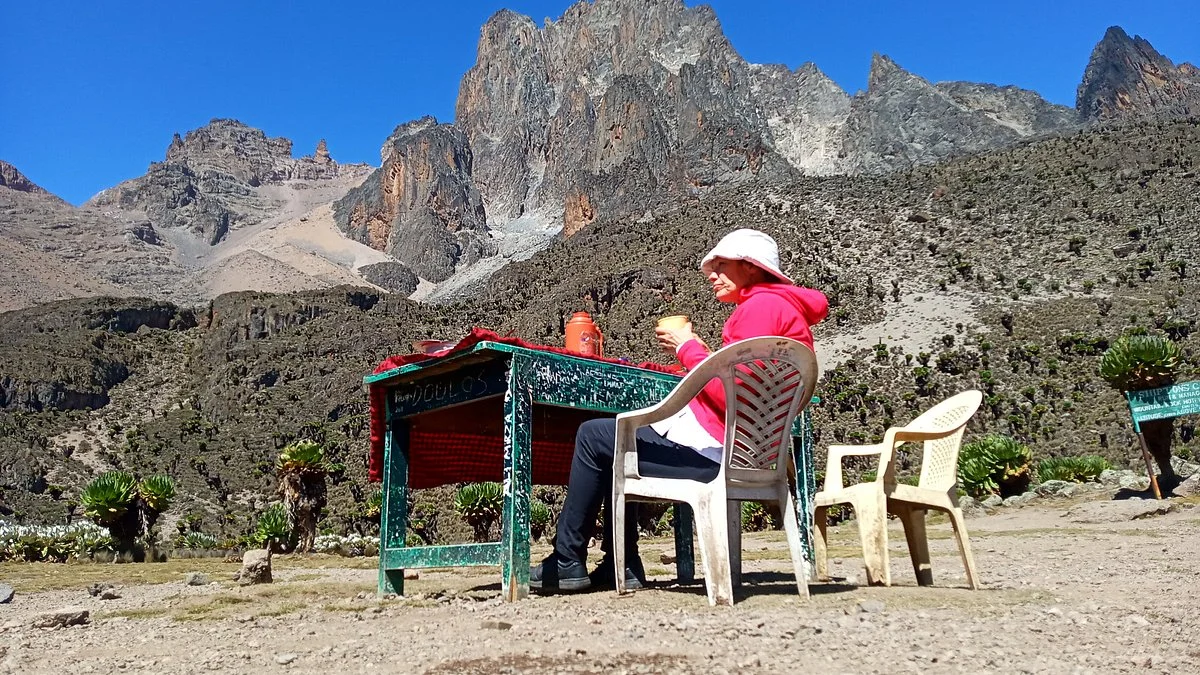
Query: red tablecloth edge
{"points": [[377, 394]]}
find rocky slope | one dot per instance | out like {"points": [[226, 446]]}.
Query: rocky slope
{"points": [[616, 109], [206, 185], [1031, 260]]}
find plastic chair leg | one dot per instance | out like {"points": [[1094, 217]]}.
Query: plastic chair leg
{"points": [[821, 542], [872, 530], [792, 527], [734, 524], [712, 526], [964, 547], [913, 520], [618, 535]]}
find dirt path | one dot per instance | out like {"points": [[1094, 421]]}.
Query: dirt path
{"points": [[1059, 596]]}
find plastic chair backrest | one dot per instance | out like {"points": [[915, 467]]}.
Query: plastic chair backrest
{"points": [[939, 465], [767, 381]]}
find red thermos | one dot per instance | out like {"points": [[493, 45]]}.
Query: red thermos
{"points": [[583, 336]]}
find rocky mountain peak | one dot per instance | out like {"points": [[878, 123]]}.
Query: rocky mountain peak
{"points": [[1128, 77], [13, 179], [883, 71]]}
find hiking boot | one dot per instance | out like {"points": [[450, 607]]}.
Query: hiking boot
{"points": [[604, 576], [557, 574]]}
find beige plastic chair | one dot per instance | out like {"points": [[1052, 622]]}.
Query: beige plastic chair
{"points": [[940, 429], [767, 381]]}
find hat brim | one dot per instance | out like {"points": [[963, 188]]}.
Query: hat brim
{"points": [[776, 274]]}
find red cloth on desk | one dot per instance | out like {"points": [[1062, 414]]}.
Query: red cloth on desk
{"points": [[473, 456]]}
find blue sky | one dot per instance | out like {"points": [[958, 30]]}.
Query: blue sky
{"points": [[92, 91]]}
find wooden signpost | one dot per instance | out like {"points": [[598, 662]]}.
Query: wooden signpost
{"points": [[1161, 404]]}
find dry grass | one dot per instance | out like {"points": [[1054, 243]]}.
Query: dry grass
{"points": [[35, 577]]}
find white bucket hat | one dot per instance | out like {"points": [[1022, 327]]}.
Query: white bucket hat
{"points": [[756, 248]]}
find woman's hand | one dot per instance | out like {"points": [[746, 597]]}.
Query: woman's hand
{"points": [[670, 339]]}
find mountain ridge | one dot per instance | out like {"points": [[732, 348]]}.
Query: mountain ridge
{"points": [[615, 110]]}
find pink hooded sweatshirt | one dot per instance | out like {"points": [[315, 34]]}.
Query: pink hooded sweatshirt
{"points": [[762, 309]]}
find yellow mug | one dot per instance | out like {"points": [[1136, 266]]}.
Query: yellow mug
{"points": [[673, 322]]}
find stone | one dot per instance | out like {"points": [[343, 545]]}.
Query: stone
{"points": [[1134, 482], [993, 501], [195, 579], [412, 575], [1050, 487], [495, 624], [256, 567], [285, 658], [1117, 510], [970, 507], [6, 593], [1112, 477], [68, 616], [871, 606], [666, 559], [1188, 488]]}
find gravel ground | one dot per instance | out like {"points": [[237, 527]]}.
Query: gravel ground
{"points": [[1068, 587]]}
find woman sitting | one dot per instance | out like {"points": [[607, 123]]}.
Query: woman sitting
{"points": [[744, 270]]}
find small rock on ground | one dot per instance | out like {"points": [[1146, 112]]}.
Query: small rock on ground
{"points": [[6, 593], [1117, 511], [495, 624], [195, 579], [871, 606], [68, 616], [284, 659]]}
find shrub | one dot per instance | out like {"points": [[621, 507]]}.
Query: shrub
{"points": [[198, 541], [756, 517], [109, 497], [1136, 362], [274, 531], [373, 509], [52, 543], [995, 464], [302, 456], [539, 518], [157, 492], [1072, 469], [480, 504]]}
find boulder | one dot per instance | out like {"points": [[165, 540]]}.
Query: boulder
{"points": [[256, 567], [6, 593]]}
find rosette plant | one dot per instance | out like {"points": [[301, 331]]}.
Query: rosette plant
{"points": [[302, 470], [1138, 362]]}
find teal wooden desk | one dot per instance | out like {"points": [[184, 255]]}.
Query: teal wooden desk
{"points": [[517, 394]]}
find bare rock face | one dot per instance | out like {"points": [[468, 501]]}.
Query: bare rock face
{"points": [[230, 147], [208, 183], [614, 104], [13, 179], [421, 206], [1021, 110], [1127, 77], [902, 120], [806, 112]]}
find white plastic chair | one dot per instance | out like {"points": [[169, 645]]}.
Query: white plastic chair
{"points": [[940, 429], [767, 381]]}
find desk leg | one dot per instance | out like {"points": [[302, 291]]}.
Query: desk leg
{"points": [[393, 520], [806, 486], [518, 485], [685, 557]]}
